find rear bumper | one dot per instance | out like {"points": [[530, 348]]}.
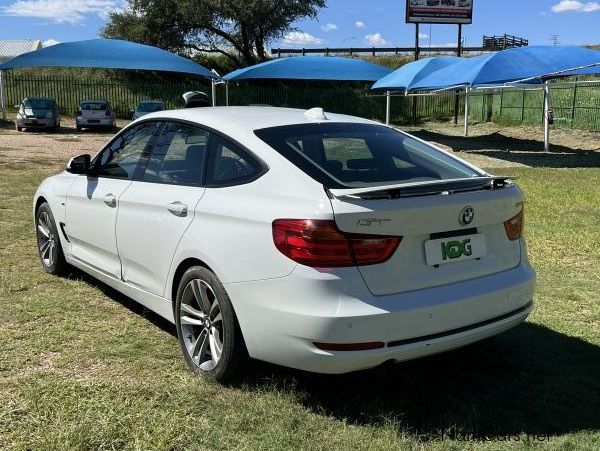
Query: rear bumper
{"points": [[99, 122], [282, 318]]}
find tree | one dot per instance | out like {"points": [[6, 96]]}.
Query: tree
{"points": [[238, 29]]}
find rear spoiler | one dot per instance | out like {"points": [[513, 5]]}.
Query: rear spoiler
{"points": [[425, 188]]}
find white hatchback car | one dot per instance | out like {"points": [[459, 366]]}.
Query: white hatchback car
{"points": [[317, 241]]}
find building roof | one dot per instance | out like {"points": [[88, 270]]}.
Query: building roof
{"points": [[10, 49]]}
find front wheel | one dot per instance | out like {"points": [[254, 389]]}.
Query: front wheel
{"points": [[49, 247], [209, 334]]}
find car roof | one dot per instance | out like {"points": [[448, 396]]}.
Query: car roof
{"points": [[253, 117], [38, 98]]}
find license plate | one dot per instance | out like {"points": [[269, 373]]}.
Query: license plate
{"points": [[455, 249]]}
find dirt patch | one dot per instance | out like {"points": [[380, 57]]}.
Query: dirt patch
{"points": [[491, 146]]}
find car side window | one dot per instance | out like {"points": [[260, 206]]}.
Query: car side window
{"points": [[178, 156], [121, 157], [231, 165]]}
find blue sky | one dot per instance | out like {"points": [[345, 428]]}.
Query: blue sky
{"points": [[343, 23]]}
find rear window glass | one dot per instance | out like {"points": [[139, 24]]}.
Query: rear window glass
{"points": [[361, 155], [94, 106], [150, 107]]}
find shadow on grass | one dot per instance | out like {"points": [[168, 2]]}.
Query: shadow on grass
{"points": [[127, 302], [525, 151], [529, 380]]}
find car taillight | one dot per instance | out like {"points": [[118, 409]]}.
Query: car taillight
{"points": [[79, 112], [319, 243], [514, 226]]}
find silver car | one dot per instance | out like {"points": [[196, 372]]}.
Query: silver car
{"points": [[37, 112], [95, 114], [147, 106]]}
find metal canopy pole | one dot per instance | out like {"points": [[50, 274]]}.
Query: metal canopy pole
{"points": [[458, 53], [388, 107], [226, 93], [467, 91], [2, 95], [213, 92], [547, 107], [417, 51]]}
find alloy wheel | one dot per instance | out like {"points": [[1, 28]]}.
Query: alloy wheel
{"points": [[201, 323], [46, 239]]}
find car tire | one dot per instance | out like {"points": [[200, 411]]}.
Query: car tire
{"points": [[78, 127], [203, 337], [19, 129], [48, 240]]}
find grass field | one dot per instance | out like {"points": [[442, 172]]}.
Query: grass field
{"points": [[83, 367]]}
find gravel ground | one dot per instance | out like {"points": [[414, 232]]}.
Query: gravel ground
{"points": [[489, 145]]}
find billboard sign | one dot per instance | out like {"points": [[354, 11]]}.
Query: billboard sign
{"points": [[439, 11]]}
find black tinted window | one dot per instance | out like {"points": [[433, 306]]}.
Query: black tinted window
{"points": [[231, 165], [120, 158], [178, 156], [361, 155], [94, 106]]}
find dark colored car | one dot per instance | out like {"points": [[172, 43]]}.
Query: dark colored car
{"points": [[37, 112]]}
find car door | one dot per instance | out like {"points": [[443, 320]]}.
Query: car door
{"points": [[159, 205], [93, 199]]}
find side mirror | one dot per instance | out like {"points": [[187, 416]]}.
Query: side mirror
{"points": [[79, 164]]}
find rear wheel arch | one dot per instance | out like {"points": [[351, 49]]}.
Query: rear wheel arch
{"points": [[39, 201], [181, 269]]}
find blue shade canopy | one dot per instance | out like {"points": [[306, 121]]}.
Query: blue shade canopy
{"points": [[312, 68], [534, 64], [107, 54], [403, 78]]}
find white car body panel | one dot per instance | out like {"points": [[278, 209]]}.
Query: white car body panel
{"points": [[284, 307], [90, 222], [148, 233]]}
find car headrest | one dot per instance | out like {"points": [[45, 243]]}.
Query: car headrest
{"points": [[362, 163]]}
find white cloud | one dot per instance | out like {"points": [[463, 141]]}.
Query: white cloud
{"points": [[63, 11], [575, 5], [50, 42], [300, 38], [329, 27], [360, 24], [423, 36], [375, 39]]}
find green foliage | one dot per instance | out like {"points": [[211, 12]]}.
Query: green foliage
{"points": [[240, 30]]}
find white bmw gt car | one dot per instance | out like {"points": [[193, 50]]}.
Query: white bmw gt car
{"points": [[317, 241]]}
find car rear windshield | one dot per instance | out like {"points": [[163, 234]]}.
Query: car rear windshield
{"points": [[94, 106], [39, 104], [350, 155], [150, 107]]}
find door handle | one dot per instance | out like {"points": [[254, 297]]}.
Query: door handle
{"points": [[178, 208], [110, 199]]}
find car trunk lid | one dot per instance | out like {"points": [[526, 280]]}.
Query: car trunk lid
{"points": [[428, 216]]}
